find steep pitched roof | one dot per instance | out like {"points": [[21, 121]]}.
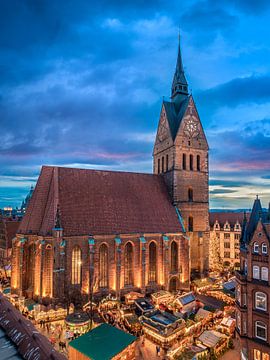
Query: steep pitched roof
{"points": [[99, 202], [175, 114]]}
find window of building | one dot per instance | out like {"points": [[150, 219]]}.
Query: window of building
{"points": [[190, 223], [244, 327], [128, 264], [238, 321], [227, 255], [264, 273], [244, 299], [191, 162], [198, 163], [174, 257], [184, 161], [264, 249], [236, 236], [158, 166], [227, 245], [256, 272], [167, 162], [217, 227], [260, 330], [245, 267], [260, 301], [76, 268], [190, 194], [256, 247], [103, 266], [238, 294], [162, 164], [152, 262], [227, 235], [258, 355]]}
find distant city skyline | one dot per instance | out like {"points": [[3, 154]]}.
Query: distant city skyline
{"points": [[82, 85]]}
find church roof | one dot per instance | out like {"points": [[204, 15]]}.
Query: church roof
{"points": [[175, 113], [99, 202]]}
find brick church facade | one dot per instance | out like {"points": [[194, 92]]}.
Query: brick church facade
{"points": [[112, 232]]}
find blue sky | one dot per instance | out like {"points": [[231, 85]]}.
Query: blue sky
{"points": [[82, 84]]}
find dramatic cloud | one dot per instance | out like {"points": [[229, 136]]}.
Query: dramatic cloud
{"points": [[82, 83]]}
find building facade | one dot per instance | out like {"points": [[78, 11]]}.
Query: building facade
{"points": [[181, 158], [253, 286], [97, 232], [225, 233]]}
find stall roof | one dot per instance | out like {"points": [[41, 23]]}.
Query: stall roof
{"points": [[100, 344], [186, 299], [210, 338]]}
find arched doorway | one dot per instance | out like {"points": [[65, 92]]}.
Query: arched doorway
{"points": [[174, 284]]}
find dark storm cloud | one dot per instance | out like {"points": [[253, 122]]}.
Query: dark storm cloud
{"points": [[252, 89]]}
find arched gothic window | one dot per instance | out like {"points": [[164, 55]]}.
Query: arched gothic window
{"points": [[162, 164], [158, 166], [174, 257], [184, 162], [191, 162], [190, 194], [103, 266], [167, 162], [190, 223], [152, 262], [48, 272], [76, 268], [128, 265], [30, 267], [198, 163]]}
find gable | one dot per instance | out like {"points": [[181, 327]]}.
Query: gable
{"points": [[191, 127], [163, 130]]}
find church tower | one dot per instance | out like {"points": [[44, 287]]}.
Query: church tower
{"points": [[181, 157]]}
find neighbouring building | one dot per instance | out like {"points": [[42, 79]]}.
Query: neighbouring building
{"points": [[225, 233], [253, 286], [90, 231], [8, 229], [100, 344]]}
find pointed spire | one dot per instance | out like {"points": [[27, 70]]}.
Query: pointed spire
{"points": [[179, 85], [255, 216]]}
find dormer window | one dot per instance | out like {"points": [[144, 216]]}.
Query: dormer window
{"points": [[264, 249], [256, 248], [217, 225]]}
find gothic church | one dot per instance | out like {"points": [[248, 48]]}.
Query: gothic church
{"points": [[112, 232]]}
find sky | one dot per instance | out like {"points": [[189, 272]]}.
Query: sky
{"points": [[82, 84]]}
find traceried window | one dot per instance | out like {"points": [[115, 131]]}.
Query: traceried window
{"points": [[191, 162], [256, 247], [184, 162], [174, 257], [162, 164], [158, 166], [260, 330], [264, 249], [264, 273], [48, 271], [103, 266], [256, 272], [76, 268], [198, 163], [30, 266], [128, 265], [152, 262], [260, 301]]}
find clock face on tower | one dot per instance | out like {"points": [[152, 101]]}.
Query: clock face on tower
{"points": [[191, 128]]}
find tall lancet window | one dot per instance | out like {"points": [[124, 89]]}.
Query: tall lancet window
{"points": [[128, 264], [30, 272], [174, 257], [76, 272], [48, 271], [103, 266], [152, 262]]}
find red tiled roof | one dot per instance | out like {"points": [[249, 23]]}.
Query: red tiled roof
{"points": [[100, 202], [231, 216], [31, 344]]}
